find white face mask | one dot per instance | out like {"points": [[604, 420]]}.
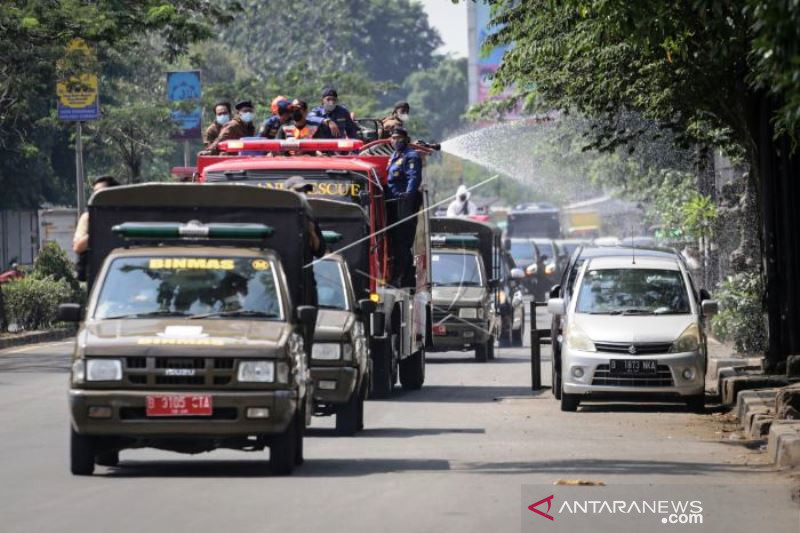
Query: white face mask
{"points": [[247, 117], [403, 116], [223, 119], [329, 106]]}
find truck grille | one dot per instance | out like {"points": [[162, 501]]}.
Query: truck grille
{"points": [[662, 378], [183, 372], [641, 348]]}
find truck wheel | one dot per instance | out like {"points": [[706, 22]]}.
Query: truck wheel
{"points": [[481, 354], [110, 458], [283, 450], [81, 454], [412, 371], [516, 335], [490, 348], [570, 402], [382, 379], [364, 390], [301, 430], [347, 415]]}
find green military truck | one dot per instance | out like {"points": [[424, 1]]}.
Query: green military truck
{"points": [[198, 328], [340, 359], [465, 266]]}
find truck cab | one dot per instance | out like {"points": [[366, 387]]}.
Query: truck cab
{"points": [[465, 266], [197, 330]]}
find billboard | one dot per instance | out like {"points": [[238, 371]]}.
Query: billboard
{"points": [[481, 66], [183, 90], [78, 96]]}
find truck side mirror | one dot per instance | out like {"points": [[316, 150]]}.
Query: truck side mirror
{"points": [[704, 295], [367, 306], [709, 307], [556, 306], [554, 291], [307, 315], [69, 313]]}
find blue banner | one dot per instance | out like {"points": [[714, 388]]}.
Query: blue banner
{"points": [[185, 87]]}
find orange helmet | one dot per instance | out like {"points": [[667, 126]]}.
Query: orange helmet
{"points": [[274, 105]]}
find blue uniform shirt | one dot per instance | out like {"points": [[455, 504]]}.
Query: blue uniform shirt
{"points": [[271, 127], [341, 116], [405, 172]]}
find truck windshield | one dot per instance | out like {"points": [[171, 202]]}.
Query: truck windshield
{"points": [[522, 251], [455, 270], [633, 291], [330, 285], [191, 287]]}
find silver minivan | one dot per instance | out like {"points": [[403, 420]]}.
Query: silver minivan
{"points": [[634, 329]]}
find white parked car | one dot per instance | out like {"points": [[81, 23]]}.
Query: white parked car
{"points": [[633, 329]]}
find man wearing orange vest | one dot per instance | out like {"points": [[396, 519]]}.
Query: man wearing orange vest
{"points": [[300, 127]]}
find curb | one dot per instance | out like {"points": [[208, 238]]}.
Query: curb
{"points": [[783, 446], [33, 337]]}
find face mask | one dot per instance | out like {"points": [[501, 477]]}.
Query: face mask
{"points": [[222, 119], [403, 116], [463, 197], [247, 117], [329, 106], [399, 145], [297, 115]]}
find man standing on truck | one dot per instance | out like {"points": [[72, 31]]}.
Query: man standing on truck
{"points": [[397, 119], [239, 127], [80, 241], [222, 115], [282, 110], [299, 127], [404, 177], [335, 117]]}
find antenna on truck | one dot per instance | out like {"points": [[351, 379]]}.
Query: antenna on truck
{"points": [[633, 248]]}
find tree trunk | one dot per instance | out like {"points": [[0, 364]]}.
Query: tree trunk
{"points": [[778, 172]]}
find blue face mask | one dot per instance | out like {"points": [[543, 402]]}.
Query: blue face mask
{"points": [[247, 117], [223, 119]]}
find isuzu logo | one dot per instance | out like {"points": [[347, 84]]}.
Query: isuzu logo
{"points": [[179, 372], [632, 349]]}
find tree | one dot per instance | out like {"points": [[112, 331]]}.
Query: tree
{"points": [[712, 71], [439, 94]]}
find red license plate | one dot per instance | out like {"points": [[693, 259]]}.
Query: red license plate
{"points": [[439, 330], [179, 405]]}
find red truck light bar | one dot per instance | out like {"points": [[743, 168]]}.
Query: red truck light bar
{"points": [[291, 145]]}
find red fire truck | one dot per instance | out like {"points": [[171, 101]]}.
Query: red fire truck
{"points": [[350, 171]]}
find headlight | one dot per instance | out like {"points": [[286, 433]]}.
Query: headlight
{"points": [[468, 312], [326, 351], [103, 370], [78, 371], [689, 341], [550, 269], [531, 269], [578, 340], [256, 371]]}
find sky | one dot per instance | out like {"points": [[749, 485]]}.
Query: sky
{"points": [[451, 21]]}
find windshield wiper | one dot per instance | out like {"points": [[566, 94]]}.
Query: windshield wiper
{"points": [[324, 306], [149, 314], [239, 312], [636, 312]]}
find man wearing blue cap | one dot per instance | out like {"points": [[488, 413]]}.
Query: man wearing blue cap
{"points": [[404, 177], [334, 116]]}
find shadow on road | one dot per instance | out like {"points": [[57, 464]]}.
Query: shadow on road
{"points": [[576, 468], [462, 393], [255, 468], [397, 432]]}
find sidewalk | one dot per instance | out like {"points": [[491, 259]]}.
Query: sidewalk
{"points": [[32, 337]]}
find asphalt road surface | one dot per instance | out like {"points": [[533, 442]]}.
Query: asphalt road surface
{"points": [[451, 457]]}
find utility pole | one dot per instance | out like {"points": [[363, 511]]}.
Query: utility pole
{"points": [[79, 172]]}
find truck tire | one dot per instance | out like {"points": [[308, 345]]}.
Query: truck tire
{"points": [[364, 392], [555, 382], [490, 348], [300, 434], [348, 415], [697, 403], [81, 454], [283, 450], [382, 378], [516, 335], [412, 371], [108, 458], [481, 354]]}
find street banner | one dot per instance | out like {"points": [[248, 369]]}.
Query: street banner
{"points": [[183, 90], [78, 96]]}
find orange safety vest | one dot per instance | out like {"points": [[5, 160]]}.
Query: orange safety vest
{"points": [[293, 132]]}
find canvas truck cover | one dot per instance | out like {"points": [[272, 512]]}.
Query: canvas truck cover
{"points": [[488, 236], [349, 220], [285, 211]]}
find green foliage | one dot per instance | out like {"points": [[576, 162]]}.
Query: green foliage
{"points": [[439, 95], [53, 262], [32, 302], [741, 318]]}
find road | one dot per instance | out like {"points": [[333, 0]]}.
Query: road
{"points": [[451, 457]]}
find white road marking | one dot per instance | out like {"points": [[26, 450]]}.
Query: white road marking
{"points": [[29, 347]]}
